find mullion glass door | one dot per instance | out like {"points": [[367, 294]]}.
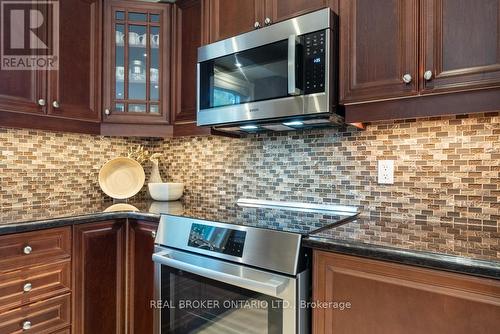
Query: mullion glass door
{"points": [[194, 304], [137, 62]]}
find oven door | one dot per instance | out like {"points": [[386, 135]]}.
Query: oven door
{"points": [[198, 294]]}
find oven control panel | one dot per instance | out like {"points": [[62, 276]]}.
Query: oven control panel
{"points": [[314, 51], [217, 239]]}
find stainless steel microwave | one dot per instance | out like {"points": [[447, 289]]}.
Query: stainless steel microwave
{"points": [[275, 78]]}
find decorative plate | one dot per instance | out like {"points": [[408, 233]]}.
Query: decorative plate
{"points": [[121, 178]]}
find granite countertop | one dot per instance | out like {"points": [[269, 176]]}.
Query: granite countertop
{"points": [[14, 220], [429, 243]]}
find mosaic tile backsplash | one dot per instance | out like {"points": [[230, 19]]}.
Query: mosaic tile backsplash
{"points": [[446, 168], [41, 168]]}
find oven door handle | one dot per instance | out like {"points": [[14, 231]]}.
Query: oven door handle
{"points": [[292, 65], [240, 276]]}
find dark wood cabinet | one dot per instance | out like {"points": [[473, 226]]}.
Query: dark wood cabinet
{"points": [[190, 33], [278, 10], [113, 276], [228, 18], [140, 276], [460, 44], [385, 298], [73, 90], [99, 277], [378, 47], [137, 44], [65, 98], [21, 91], [445, 46]]}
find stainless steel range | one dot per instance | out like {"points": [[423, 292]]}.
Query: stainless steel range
{"points": [[237, 268]]}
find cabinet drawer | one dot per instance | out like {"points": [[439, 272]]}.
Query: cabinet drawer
{"points": [[63, 331], [32, 248], [40, 318], [28, 285]]}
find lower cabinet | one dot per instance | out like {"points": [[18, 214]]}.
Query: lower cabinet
{"points": [[391, 298], [113, 277], [99, 277], [140, 276]]}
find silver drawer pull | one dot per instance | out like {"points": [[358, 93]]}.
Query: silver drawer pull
{"points": [[27, 287], [27, 250], [153, 234], [26, 325]]}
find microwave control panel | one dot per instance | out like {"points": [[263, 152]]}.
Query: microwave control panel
{"points": [[314, 58]]}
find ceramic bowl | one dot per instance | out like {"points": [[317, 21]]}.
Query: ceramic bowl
{"points": [[121, 178], [166, 191]]}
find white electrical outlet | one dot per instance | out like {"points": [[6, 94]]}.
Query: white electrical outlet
{"points": [[386, 171]]}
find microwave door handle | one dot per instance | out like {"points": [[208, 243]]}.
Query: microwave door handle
{"points": [[293, 40], [273, 286]]}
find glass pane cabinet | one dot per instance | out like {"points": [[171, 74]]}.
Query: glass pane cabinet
{"points": [[137, 85]]}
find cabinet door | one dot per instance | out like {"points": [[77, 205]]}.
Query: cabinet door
{"points": [[99, 277], [141, 276], [461, 44], [23, 90], [378, 46], [392, 298], [278, 10], [229, 18], [137, 63], [188, 37], [74, 87]]}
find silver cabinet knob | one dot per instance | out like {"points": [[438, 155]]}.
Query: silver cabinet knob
{"points": [[153, 234], [256, 25], [55, 104], [26, 325], [27, 250], [407, 78], [27, 287], [41, 102], [267, 21], [428, 75], [107, 112]]}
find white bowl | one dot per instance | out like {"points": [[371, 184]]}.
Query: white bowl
{"points": [[166, 191]]}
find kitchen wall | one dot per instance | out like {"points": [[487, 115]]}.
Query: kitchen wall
{"points": [[445, 168], [44, 168]]}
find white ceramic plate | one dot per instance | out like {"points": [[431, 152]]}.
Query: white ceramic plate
{"points": [[121, 207], [121, 178]]}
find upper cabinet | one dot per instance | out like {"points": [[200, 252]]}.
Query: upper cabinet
{"points": [[137, 63], [378, 49], [73, 88], [228, 18], [460, 44], [278, 10], [402, 55], [63, 98]]}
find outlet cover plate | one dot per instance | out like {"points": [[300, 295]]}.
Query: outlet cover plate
{"points": [[385, 171]]}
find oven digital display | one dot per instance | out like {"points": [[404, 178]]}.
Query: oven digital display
{"points": [[217, 239]]}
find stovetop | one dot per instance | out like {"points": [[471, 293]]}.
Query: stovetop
{"points": [[291, 217]]}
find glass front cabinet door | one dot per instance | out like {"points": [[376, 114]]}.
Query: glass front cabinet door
{"points": [[137, 63]]}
